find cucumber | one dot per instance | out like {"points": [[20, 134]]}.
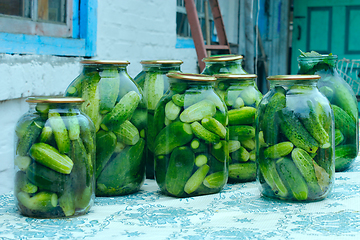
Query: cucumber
{"points": [[42, 201], [292, 128], [73, 125], [178, 99], [45, 178], [304, 163], [241, 132], [23, 184], [60, 131], [278, 150], [204, 134], [214, 126], [154, 89], [215, 180], [243, 172], [109, 86], [83, 169], [271, 129], [234, 145], [179, 170], [200, 160], [198, 111], [241, 155], [172, 110], [22, 162], [196, 179], [244, 115], [344, 122], [220, 151], [121, 173], [293, 178], [28, 138], [139, 118], [50, 157], [47, 134], [174, 135], [67, 200], [91, 95], [127, 133], [344, 155], [105, 146], [339, 137], [249, 144], [122, 111]]}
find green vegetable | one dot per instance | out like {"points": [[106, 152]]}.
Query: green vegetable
{"points": [[214, 126], [172, 110], [105, 146], [91, 95], [154, 89], [278, 150], [127, 133], [243, 172], [42, 201], [23, 184], [241, 132], [204, 134], [196, 179], [344, 122], [29, 136], [215, 180], [109, 86], [198, 111], [244, 115], [60, 131]]}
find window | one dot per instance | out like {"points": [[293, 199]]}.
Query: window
{"points": [[182, 25], [54, 27]]}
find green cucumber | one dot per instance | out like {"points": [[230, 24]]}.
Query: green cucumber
{"points": [[174, 135], [344, 156], [122, 111], [50, 157], [67, 200], [220, 151], [216, 180], [47, 134], [139, 118], [198, 111], [154, 89], [294, 130], [60, 131], [127, 133], [204, 134], [178, 99], [344, 122], [28, 138], [179, 170], [73, 125], [278, 150], [244, 115], [293, 178], [241, 132], [196, 179], [23, 184], [105, 146], [42, 201], [172, 110], [214, 126], [241, 155], [339, 137], [109, 86], [83, 169], [22, 162], [91, 95], [243, 172], [200, 160]]}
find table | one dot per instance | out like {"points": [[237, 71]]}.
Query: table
{"points": [[237, 212]]}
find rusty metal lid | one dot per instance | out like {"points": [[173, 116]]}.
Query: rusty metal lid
{"points": [[293, 77], [235, 76], [223, 58], [54, 100], [161, 62], [103, 62]]}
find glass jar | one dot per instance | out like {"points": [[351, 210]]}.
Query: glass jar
{"points": [[154, 83], [343, 102], [115, 104], [191, 150], [294, 140], [54, 159], [223, 64], [241, 95]]}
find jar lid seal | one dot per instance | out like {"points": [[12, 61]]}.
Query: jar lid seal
{"points": [[235, 76], [293, 77], [223, 58], [191, 76], [54, 100], [104, 62], [161, 62]]}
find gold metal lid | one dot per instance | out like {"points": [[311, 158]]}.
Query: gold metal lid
{"points": [[161, 62], [112, 62], [235, 76], [54, 100], [293, 77], [223, 58], [191, 76]]}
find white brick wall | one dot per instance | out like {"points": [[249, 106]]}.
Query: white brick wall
{"points": [[127, 30]]}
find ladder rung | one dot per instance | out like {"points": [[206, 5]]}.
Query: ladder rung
{"points": [[217, 47]]}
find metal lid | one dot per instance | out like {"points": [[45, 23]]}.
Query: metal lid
{"points": [[293, 77], [235, 76], [54, 100], [112, 62], [223, 58], [191, 77], [161, 62]]}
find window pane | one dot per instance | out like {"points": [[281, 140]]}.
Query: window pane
{"points": [[52, 10], [20, 8]]}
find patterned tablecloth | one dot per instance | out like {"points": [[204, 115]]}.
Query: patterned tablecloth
{"points": [[238, 212]]}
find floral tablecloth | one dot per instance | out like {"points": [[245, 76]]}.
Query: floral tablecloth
{"points": [[237, 212]]}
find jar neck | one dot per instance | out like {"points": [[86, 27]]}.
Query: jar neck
{"points": [[60, 107], [161, 67], [103, 67], [176, 84], [287, 84], [236, 82], [316, 65]]}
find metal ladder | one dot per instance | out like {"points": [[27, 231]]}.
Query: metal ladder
{"points": [[197, 35]]}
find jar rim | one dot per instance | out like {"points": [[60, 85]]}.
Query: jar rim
{"points": [[293, 77], [235, 76], [222, 58], [54, 100], [161, 61], [104, 62], [191, 76]]}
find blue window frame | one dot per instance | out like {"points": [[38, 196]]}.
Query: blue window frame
{"points": [[82, 43]]}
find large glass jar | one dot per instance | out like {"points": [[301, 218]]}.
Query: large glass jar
{"points": [[154, 83], [228, 63], [295, 140], [54, 159], [343, 101], [191, 150], [241, 95], [115, 104]]}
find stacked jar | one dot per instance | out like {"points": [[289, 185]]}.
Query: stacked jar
{"points": [[54, 159], [219, 64], [190, 147], [295, 140], [115, 104], [154, 83], [241, 96], [343, 102]]}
